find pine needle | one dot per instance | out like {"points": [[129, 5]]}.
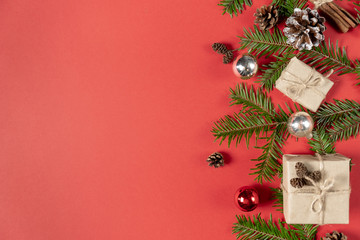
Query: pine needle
{"points": [[234, 7]]}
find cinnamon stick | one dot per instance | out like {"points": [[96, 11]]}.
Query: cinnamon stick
{"points": [[353, 19], [335, 17], [340, 11]]}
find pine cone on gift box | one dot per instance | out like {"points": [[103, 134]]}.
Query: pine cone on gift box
{"points": [[298, 182], [267, 17], [301, 170], [335, 236], [216, 160], [305, 29], [316, 176]]}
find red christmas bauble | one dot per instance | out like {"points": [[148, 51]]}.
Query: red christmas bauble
{"points": [[246, 198]]}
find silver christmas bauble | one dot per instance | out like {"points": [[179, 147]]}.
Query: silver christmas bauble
{"points": [[300, 124], [245, 66]]}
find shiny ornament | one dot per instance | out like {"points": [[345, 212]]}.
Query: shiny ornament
{"points": [[300, 124], [245, 66], [246, 198]]}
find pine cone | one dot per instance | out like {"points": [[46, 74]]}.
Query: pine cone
{"points": [[220, 48], [267, 17], [301, 170], [335, 236], [305, 29], [298, 182], [216, 159], [228, 57], [316, 176]]}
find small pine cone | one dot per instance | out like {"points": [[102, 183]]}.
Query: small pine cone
{"points": [[316, 176], [220, 48], [298, 182], [335, 236], [301, 170], [216, 159], [228, 57], [267, 17], [304, 29]]}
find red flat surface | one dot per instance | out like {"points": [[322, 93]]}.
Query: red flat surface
{"points": [[107, 108]]}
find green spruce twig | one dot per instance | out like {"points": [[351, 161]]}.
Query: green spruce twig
{"points": [[264, 43], [321, 142], [234, 7], [277, 195], [272, 71], [257, 228], [286, 7]]}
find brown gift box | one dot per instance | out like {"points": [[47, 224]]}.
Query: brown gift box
{"points": [[303, 84], [326, 203]]}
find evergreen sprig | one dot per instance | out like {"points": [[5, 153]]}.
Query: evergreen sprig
{"points": [[234, 7], [321, 142], [264, 43], [357, 11], [330, 113], [252, 100], [325, 57], [286, 7], [268, 165], [241, 126], [347, 128], [277, 195], [328, 56], [257, 228], [272, 71]]}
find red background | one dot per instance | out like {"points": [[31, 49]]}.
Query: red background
{"points": [[107, 108]]}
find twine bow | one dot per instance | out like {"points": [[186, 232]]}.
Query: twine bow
{"points": [[298, 86], [318, 3]]}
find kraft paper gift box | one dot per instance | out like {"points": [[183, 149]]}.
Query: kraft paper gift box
{"points": [[303, 84], [326, 203]]}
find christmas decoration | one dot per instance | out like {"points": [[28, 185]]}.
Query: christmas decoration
{"points": [[324, 202], [222, 49], [245, 66], [233, 7], [303, 84], [246, 198], [342, 19], [258, 228], [215, 160], [228, 57], [259, 118], [300, 124], [305, 29], [267, 17], [335, 236]]}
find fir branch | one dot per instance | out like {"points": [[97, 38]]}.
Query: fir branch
{"points": [[272, 71], [253, 101], [308, 231], [233, 7], [277, 195], [257, 228], [357, 11], [286, 7], [241, 126], [263, 43], [328, 56], [268, 165], [334, 113], [349, 127], [321, 142]]}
